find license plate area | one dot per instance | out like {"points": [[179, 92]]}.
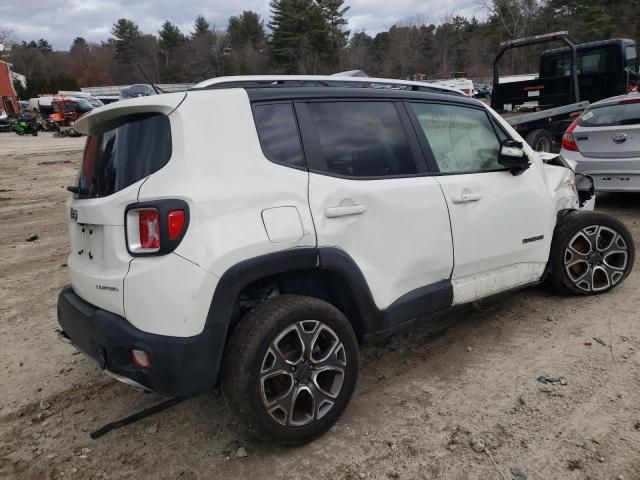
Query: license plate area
{"points": [[90, 238], [617, 182]]}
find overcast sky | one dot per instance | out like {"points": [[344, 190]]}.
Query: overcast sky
{"points": [[60, 21]]}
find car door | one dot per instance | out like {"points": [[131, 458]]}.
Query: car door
{"points": [[370, 198], [501, 223]]}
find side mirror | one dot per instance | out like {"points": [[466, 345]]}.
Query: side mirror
{"points": [[513, 157]]}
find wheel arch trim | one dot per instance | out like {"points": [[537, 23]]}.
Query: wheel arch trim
{"points": [[370, 321]]}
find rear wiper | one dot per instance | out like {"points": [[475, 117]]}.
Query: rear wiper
{"points": [[78, 190]]}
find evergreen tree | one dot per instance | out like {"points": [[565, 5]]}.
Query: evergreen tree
{"points": [[41, 45], [79, 45], [171, 38], [200, 27], [307, 35], [333, 12], [127, 39], [44, 46], [170, 35], [246, 29]]}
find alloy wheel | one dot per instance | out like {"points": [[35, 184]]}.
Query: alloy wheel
{"points": [[596, 258], [302, 373]]}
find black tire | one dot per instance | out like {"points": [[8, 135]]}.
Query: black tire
{"points": [[540, 140], [246, 365], [576, 267]]}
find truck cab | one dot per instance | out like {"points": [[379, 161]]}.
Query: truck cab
{"points": [[605, 68]]}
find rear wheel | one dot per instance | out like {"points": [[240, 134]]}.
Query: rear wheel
{"points": [[290, 368], [591, 254], [540, 140]]}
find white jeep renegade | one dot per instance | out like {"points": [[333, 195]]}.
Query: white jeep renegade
{"points": [[253, 232]]}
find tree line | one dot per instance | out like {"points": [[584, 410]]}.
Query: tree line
{"points": [[312, 37]]}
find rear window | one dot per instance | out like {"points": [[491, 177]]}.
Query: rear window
{"points": [[611, 115], [124, 153]]}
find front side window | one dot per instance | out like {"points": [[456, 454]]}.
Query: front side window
{"points": [[361, 139], [462, 139], [278, 133]]}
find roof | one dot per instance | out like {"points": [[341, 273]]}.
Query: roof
{"points": [[599, 43], [257, 81], [615, 100]]}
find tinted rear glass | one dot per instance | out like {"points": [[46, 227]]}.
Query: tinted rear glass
{"points": [[362, 139], [123, 154], [590, 61], [618, 114], [278, 133]]}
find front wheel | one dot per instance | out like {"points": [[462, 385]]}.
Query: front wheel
{"points": [[591, 253], [290, 368]]}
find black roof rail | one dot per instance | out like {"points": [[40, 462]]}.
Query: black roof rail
{"points": [[275, 83]]}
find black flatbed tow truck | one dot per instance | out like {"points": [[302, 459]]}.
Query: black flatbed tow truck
{"points": [[542, 109]]}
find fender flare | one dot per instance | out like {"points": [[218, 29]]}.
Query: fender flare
{"points": [[370, 322]]}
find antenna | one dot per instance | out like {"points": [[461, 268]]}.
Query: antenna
{"points": [[158, 90]]}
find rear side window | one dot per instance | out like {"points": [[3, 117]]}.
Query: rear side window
{"points": [[462, 139], [590, 61], [610, 115], [122, 154], [361, 139], [278, 133], [631, 58]]}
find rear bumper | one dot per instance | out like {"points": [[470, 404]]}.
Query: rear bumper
{"points": [[609, 174], [616, 182], [179, 365]]}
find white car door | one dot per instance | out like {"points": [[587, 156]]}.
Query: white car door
{"points": [[370, 198], [502, 224]]}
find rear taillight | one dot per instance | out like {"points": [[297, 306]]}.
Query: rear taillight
{"points": [[633, 87], [149, 229], [156, 228], [568, 140], [175, 219]]}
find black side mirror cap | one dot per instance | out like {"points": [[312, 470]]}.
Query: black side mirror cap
{"points": [[513, 157]]}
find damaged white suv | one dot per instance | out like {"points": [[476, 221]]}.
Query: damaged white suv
{"points": [[253, 232]]}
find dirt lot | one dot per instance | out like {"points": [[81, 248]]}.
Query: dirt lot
{"points": [[422, 396]]}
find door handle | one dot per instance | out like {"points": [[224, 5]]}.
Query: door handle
{"points": [[465, 197], [344, 210]]}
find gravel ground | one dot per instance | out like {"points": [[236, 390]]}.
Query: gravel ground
{"points": [[424, 398]]}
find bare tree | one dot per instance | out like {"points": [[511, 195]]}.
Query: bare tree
{"points": [[515, 16], [7, 35]]}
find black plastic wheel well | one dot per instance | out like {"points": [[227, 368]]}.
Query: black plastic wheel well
{"points": [[322, 284]]}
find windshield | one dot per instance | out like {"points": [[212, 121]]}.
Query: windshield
{"points": [[82, 105], [95, 102]]}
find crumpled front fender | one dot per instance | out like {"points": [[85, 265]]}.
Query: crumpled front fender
{"points": [[568, 189]]}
